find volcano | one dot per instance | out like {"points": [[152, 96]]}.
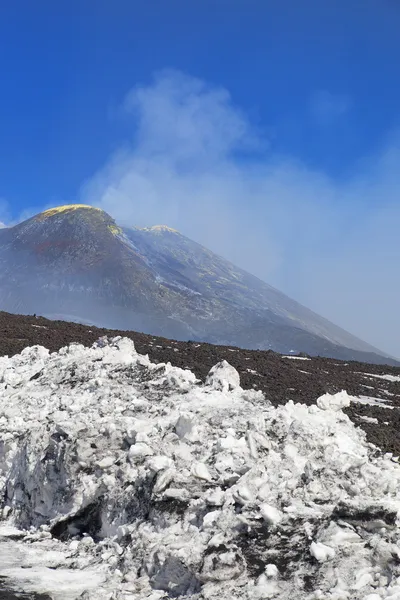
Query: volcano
{"points": [[75, 262]]}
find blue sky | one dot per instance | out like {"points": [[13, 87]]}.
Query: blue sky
{"points": [[275, 123]]}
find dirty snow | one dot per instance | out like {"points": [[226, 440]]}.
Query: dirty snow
{"points": [[37, 568], [297, 357], [334, 402], [391, 378], [135, 481], [368, 419], [371, 401]]}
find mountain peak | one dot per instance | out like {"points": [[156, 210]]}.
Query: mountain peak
{"points": [[65, 208], [68, 220], [91, 213], [159, 229]]}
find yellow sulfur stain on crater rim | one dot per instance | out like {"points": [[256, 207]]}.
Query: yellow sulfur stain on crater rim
{"points": [[67, 207], [115, 230]]}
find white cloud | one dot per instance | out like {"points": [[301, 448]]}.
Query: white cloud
{"points": [[333, 246]]}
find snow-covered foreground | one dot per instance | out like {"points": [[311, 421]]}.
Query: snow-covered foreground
{"points": [[134, 481], [38, 567]]}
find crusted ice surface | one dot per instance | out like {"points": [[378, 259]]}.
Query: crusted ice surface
{"points": [[153, 485]]}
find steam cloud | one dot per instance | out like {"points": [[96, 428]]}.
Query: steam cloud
{"points": [[196, 163]]}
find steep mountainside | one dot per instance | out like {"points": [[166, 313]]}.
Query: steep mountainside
{"points": [[75, 262], [183, 264]]}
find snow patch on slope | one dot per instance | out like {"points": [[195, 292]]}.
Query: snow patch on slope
{"points": [[297, 357], [391, 378], [164, 487]]}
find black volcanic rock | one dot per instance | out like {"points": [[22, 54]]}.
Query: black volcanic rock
{"points": [[75, 263]]}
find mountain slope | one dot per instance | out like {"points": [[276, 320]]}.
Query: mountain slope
{"points": [[189, 266], [76, 262]]}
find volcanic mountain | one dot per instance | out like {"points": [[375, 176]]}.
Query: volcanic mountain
{"points": [[74, 262]]}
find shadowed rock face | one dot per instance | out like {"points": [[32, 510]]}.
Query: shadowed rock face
{"points": [[74, 262]]}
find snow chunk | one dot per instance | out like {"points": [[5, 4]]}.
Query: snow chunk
{"points": [[271, 571], [223, 377], [271, 514], [160, 463], [106, 462], [321, 552], [334, 402], [139, 450], [186, 428], [201, 471]]}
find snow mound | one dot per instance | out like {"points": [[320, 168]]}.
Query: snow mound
{"points": [[334, 401], [170, 488], [223, 377]]}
